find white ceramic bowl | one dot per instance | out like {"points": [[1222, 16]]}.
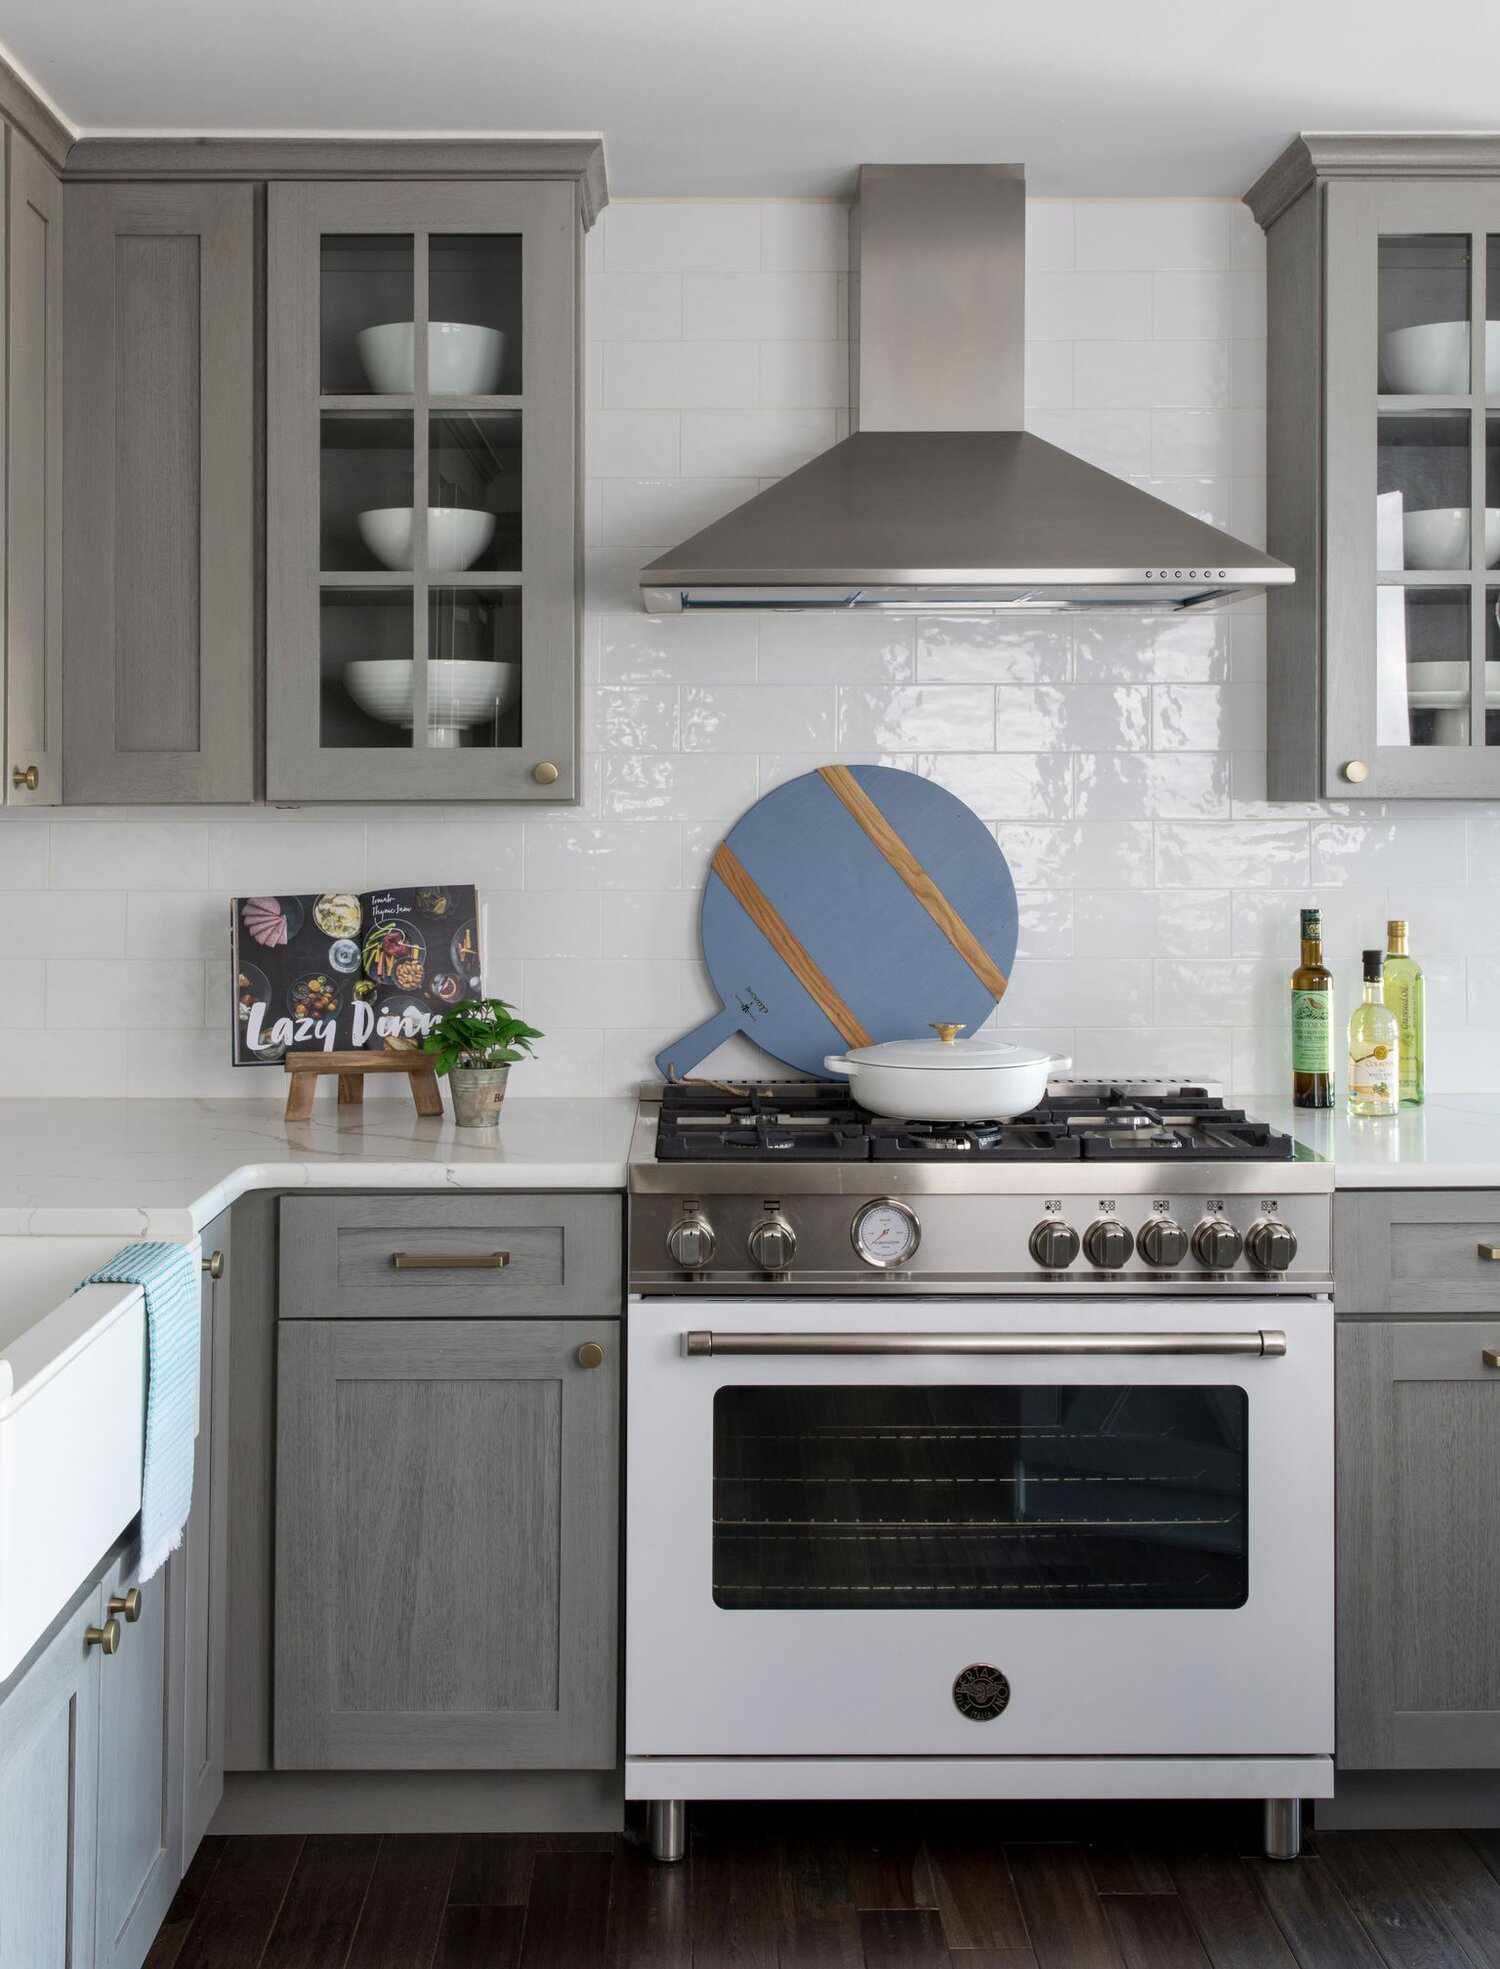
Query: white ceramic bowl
{"points": [[946, 1079], [1438, 537], [456, 536], [463, 359], [1432, 360], [460, 693]]}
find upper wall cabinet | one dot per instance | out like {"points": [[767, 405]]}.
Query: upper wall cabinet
{"points": [[422, 482], [31, 571], [1383, 443], [161, 677]]}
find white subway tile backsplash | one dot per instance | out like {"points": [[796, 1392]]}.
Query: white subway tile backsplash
{"points": [[762, 443], [781, 307], [994, 649], [1118, 761]]}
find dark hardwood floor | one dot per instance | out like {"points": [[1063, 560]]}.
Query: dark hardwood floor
{"points": [[849, 1887]]}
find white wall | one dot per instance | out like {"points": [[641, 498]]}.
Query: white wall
{"points": [[1120, 762]]}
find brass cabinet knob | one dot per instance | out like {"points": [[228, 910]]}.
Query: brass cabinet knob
{"points": [[29, 778], [1490, 1356], [545, 773], [1355, 770], [105, 1638], [213, 1264], [591, 1354], [128, 1604]]}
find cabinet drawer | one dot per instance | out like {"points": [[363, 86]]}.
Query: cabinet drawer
{"points": [[423, 1257], [1416, 1251]]}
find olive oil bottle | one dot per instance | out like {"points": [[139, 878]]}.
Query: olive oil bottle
{"points": [[1406, 996], [1312, 1020], [1374, 1048]]}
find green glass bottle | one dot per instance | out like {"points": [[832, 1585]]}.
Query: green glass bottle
{"points": [[1312, 1020], [1406, 995]]}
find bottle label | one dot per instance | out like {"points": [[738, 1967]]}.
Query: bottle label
{"points": [[1312, 1035], [1372, 1076]]}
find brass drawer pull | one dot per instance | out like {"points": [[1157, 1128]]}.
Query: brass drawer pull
{"points": [[591, 1354], [25, 779], [1491, 1356], [213, 1264], [450, 1261], [128, 1604], [105, 1638], [1490, 1251]]}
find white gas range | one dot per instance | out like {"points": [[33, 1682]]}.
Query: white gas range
{"points": [[991, 1461]]}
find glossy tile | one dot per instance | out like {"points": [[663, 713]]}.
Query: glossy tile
{"points": [[1044, 925], [128, 852], [1198, 307], [529, 923], [629, 444], [679, 375], [163, 923], [1217, 992], [261, 853], [633, 718], [1191, 649], [994, 649], [1410, 850], [1005, 785], [680, 786], [460, 844], [636, 648], [652, 923], [630, 991], [1076, 307], [1129, 233], [733, 718], [1247, 373], [1164, 923], [937, 717], [634, 307], [784, 307], [124, 995], [1208, 717], [1145, 785], [1152, 376], [804, 375], [651, 514], [1250, 854], [777, 767], [720, 235], [1049, 376], [806, 235], [1192, 444], [1081, 991], [1078, 854], [835, 647], [52, 1066], [1074, 717], [567, 853], [25, 847], [765, 443], [1049, 235]]}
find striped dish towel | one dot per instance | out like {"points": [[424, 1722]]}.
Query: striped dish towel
{"points": [[169, 1275]]}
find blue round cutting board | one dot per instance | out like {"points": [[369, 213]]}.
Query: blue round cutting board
{"points": [[815, 929]]}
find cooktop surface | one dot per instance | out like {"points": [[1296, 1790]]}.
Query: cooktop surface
{"points": [[814, 1121]]}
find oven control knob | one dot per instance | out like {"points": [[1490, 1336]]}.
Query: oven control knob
{"points": [[773, 1244], [1054, 1244], [1217, 1244], [1107, 1244], [1162, 1242], [1270, 1246], [692, 1243]]}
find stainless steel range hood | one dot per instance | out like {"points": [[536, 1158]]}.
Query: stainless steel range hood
{"points": [[940, 499]]}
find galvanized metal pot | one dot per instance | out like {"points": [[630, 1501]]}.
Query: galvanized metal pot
{"points": [[477, 1094]]}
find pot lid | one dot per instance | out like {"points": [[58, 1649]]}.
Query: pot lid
{"points": [[949, 1053]]}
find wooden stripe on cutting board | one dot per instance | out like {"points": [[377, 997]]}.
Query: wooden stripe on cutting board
{"points": [[916, 878], [762, 912]]}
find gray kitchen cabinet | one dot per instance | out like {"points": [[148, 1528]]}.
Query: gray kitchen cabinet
{"points": [[49, 1775], [31, 540], [446, 1544], [160, 610], [140, 1763], [203, 1560], [422, 588], [1418, 1562], [1434, 1252], [1383, 466]]}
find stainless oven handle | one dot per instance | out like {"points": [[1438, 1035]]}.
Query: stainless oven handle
{"points": [[1261, 1343]]}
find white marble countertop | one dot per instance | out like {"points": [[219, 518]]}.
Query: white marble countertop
{"points": [[165, 1168], [1452, 1142], [132, 1169]]}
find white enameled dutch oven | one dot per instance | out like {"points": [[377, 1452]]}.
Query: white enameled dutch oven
{"points": [[947, 1078]]}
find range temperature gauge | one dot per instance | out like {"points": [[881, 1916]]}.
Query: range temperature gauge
{"points": [[885, 1233]]}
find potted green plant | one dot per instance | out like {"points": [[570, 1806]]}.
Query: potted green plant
{"points": [[476, 1043]]}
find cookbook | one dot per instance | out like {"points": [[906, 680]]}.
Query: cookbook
{"points": [[346, 973]]}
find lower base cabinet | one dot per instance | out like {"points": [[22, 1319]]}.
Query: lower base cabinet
{"points": [[446, 1544], [49, 1775], [1418, 1559]]}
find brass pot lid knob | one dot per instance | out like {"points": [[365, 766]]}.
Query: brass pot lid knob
{"points": [[947, 1033]]}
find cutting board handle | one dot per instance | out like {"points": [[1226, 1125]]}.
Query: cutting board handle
{"points": [[679, 1059]]}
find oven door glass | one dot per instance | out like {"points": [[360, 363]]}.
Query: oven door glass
{"points": [[1040, 1496]]}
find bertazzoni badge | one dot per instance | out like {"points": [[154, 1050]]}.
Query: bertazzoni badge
{"points": [[980, 1692]]}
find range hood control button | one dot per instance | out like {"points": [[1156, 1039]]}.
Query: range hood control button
{"points": [[1054, 1244], [1271, 1246], [1217, 1244], [1107, 1244], [1162, 1242], [692, 1243], [773, 1244]]}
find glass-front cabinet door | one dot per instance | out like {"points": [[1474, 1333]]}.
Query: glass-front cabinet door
{"points": [[1413, 511], [422, 475]]}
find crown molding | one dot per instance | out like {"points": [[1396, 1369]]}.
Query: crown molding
{"points": [[1318, 156], [25, 110], [166, 157]]}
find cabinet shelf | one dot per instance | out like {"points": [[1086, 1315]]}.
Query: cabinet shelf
{"points": [[399, 578], [440, 406]]}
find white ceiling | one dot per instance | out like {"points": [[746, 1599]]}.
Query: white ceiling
{"points": [[786, 96]]}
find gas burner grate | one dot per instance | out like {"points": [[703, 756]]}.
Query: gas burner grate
{"points": [[1027, 1140]]}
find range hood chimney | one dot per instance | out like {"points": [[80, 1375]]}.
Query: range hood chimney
{"points": [[940, 499]]}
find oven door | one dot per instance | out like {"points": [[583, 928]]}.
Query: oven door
{"points": [[993, 1527]]}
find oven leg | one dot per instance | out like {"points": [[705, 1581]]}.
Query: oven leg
{"points": [[1283, 1828], [666, 1828]]}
